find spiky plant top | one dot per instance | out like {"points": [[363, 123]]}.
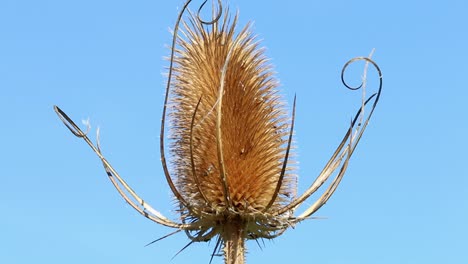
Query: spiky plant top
{"points": [[247, 113], [231, 140], [230, 135]]}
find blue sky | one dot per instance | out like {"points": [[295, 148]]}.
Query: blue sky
{"points": [[404, 198]]}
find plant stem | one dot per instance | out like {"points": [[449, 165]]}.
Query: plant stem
{"points": [[234, 241]]}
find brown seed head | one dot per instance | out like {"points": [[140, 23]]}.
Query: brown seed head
{"points": [[254, 126]]}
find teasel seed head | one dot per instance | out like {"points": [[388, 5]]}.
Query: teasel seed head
{"points": [[229, 127], [231, 139]]}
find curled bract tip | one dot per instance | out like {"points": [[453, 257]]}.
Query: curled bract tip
{"points": [[72, 126], [216, 16], [375, 96], [345, 67]]}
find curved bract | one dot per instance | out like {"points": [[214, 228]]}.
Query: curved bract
{"points": [[230, 139]]}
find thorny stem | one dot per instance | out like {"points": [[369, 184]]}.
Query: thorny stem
{"points": [[234, 241]]}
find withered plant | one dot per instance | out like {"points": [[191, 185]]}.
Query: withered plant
{"points": [[231, 139]]}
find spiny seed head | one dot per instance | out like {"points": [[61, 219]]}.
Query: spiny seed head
{"points": [[254, 126]]}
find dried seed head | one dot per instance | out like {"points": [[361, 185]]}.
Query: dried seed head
{"points": [[231, 140], [254, 127]]}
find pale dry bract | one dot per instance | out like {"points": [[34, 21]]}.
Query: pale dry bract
{"points": [[230, 139]]}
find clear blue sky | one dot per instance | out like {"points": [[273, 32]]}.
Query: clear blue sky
{"points": [[404, 198]]}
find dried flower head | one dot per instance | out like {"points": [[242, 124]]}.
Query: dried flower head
{"points": [[230, 140], [252, 128]]}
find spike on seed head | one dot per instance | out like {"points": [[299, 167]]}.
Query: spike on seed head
{"points": [[254, 125]]}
